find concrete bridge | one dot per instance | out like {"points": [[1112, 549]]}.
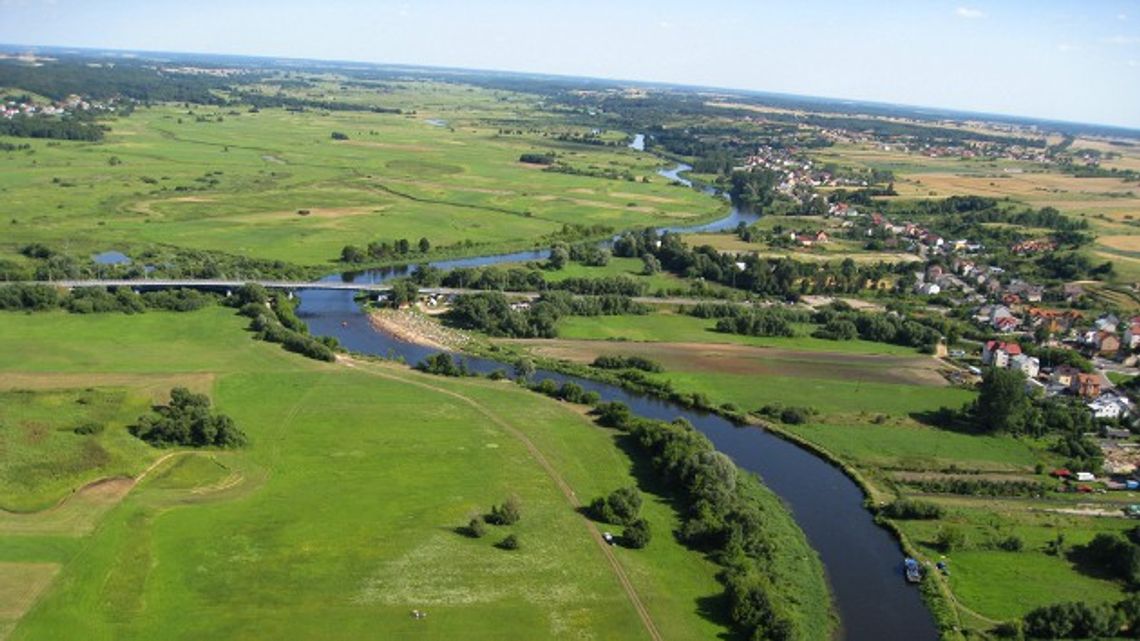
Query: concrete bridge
{"points": [[230, 285]]}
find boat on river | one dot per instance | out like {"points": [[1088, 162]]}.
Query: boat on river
{"points": [[913, 570]]}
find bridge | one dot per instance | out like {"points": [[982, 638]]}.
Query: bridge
{"points": [[230, 285]]}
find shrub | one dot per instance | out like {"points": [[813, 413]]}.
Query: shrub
{"points": [[912, 509], [477, 528], [950, 539], [621, 506], [508, 513], [511, 542], [637, 534], [89, 427]]}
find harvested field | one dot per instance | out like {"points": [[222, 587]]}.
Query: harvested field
{"points": [[20, 585], [752, 361]]}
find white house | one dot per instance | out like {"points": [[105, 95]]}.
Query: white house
{"points": [[1110, 406], [1029, 365]]}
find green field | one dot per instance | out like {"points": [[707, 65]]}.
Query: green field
{"points": [[43, 455], [668, 327], [341, 516], [234, 181], [1004, 585]]}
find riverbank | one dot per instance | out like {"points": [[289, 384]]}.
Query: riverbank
{"points": [[417, 328]]}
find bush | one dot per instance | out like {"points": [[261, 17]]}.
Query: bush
{"points": [[477, 528], [627, 362], [912, 509], [621, 506], [637, 534], [508, 513], [511, 542], [89, 427], [1073, 621], [950, 539]]}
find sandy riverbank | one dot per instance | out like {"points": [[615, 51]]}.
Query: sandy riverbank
{"points": [[415, 327]]}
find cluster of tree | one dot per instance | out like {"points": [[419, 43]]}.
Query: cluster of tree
{"points": [[754, 189], [911, 509], [71, 127], [35, 297], [537, 159], [259, 101], [621, 507], [978, 487], [790, 414], [1080, 620], [627, 362], [274, 322], [721, 517], [513, 279], [569, 392], [443, 364], [1114, 556], [8, 146], [383, 250], [590, 254], [492, 314], [896, 329], [187, 421], [779, 277], [137, 80], [592, 171], [756, 322]]}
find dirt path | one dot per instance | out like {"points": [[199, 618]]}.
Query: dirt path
{"points": [[552, 473]]}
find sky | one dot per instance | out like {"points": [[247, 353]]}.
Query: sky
{"points": [[1066, 60]]}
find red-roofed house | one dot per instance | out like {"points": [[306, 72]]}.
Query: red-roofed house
{"points": [[998, 353]]}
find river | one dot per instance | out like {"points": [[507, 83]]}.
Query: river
{"points": [[863, 561]]}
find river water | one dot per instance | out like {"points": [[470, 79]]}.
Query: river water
{"points": [[863, 561]]}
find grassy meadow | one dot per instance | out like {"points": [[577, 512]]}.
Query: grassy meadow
{"points": [[234, 181], [340, 517]]}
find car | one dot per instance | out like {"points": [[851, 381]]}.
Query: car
{"points": [[608, 537]]}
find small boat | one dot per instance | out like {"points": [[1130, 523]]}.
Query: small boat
{"points": [[344, 323], [913, 570]]}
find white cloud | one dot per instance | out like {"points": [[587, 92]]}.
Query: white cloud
{"points": [[665, 24], [1122, 16], [1134, 63], [1065, 47], [1121, 40], [969, 13]]}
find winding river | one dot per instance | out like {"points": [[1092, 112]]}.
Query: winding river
{"points": [[862, 560]]}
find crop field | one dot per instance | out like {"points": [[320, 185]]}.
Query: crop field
{"points": [[297, 534], [241, 182]]}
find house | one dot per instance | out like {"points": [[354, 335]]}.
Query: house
{"points": [[1006, 324], [1063, 375], [1086, 385], [1107, 323], [1085, 477], [928, 289], [1107, 343], [1111, 406], [1029, 365], [1132, 334], [998, 353], [1072, 292]]}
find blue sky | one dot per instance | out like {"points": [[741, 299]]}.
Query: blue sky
{"points": [[1068, 60]]}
